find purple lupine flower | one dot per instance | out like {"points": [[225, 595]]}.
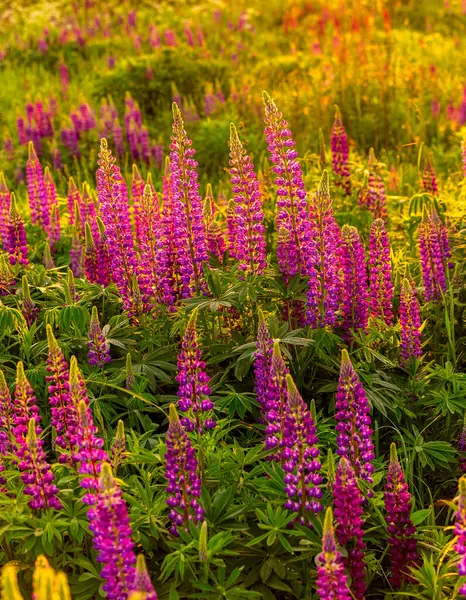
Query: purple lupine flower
{"points": [[190, 231], [250, 248], [56, 159], [90, 257], [4, 211], [16, 241], [76, 252], [322, 308], [397, 500], [53, 230], [6, 424], [332, 581], [442, 232], [6, 276], [231, 228], [170, 37], [432, 251], [262, 362], [64, 78], [99, 348], [462, 447], [104, 276], [29, 309], [74, 200], [89, 453], [194, 391], [156, 283], [296, 250], [355, 300], [214, 233], [340, 153], [144, 143], [429, 179], [169, 227], [348, 504], [300, 458], [142, 583], [410, 322], [9, 148], [113, 199], [373, 195], [111, 530], [460, 531], [47, 258], [352, 413], [184, 484], [380, 274], [276, 399], [36, 472], [36, 189], [137, 191]]}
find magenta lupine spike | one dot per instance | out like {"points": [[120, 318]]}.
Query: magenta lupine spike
{"points": [[442, 232], [57, 160], [429, 179], [90, 257], [352, 413], [33, 184], [89, 453], [76, 252], [184, 484], [348, 505], [99, 348], [74, 199], [104, 276], [214, 234], [168, 225], [410, 322], [432, 250], [277, 397], [322, 307], [460, 531], [17, 243], [373, 195], [296, 251], [397, 500], [6, 424], [112, 537], [142, 583], [332, 581], [194, 391], [262, 363], [231, 228], [340, 153], [156, 284], [137, 191], [64, 78], [300, 458], [52, 204], [4, 211], [47, 258], [462, 447], [29, 310], [36, 472], [112, 194], [190, 228], [6, 276], [249, 218], [354, 292], [380, 274]]}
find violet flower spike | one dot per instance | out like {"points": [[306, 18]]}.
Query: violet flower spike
{"points": [[340, 152], [142, 583], [99, 348], [410, 322], [262, 362], [380, 274], [433, 249], [277, 398], [17, 242], [4, 211], [460, 532], [355, 295]]}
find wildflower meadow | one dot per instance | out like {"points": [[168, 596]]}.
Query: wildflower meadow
{"points": [[233, 300]]}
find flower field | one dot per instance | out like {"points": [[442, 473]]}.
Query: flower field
{"points": [[233, 300]]}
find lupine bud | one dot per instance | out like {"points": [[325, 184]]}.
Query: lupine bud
{"points": [[115, 214], [99, 348], [262, 362], [184, 484], [249, 227], [460, 531], [300, 458], [348, 503], [355, 301], [4, 211], [203, 547], [10, 588], [29, 310], [74, 199], [215, 240], [340, 153], [429, 179], [296, 251], [397, 499], [189, 226], [47, 259], [130, 379], [352, 413], [194, 391], [111, 530], [332, 581], [277, 397], [322, 307], [142, 583], [434, 251], [119, 446], [380, 274], [6, 276], [17, 244], [71, 287], [410, 321]]}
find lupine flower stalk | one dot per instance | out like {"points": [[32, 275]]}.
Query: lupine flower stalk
{"points": [[4, 211], [47, 258], [434, 250], [352, 413], [118, 446], [262, 362], [37, 194], [111, 530], [6, 424], [142, 583], [373, 195], [250, 248], [74, 198], [332, 581], [169, 227], [184, 484], [99, 348], [380, 274], [429, 179], [410, 322], [460, 532], [322, 307], [104, 275], [113, 199], [296, 249], [17, 243], [214, 233], [348, 505], [190, 231], [355, 300], [53, 230], [30, 309], [194, 391], [137, 191], [397, 500], [6, 276], [300, 458], [340, 152], [277, 397]]}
